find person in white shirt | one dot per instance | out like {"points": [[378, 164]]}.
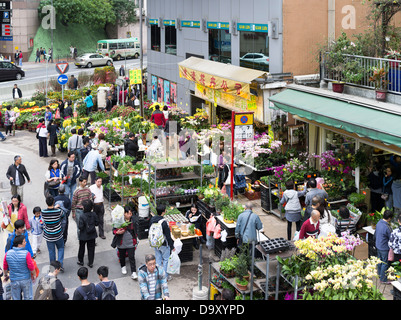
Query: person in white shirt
{"points": [[98, 206], [42, 136]]}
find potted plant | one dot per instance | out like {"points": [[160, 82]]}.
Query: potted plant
{"points": [[241, 271], [379, 77], [356, 199], [375, 217], [227, 266], [394, 55]]}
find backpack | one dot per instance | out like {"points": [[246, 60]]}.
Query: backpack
{"points": [[87, 295], [90, 224], [44, 289], [156, 236], [108, 292]]}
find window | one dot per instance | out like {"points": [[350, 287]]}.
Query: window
{"points": [[220, 45], [122, 45], [113, 46], [254, 50], [137, 46], [171, 40], [155, 38]]}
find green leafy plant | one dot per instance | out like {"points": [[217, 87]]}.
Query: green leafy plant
{"points": [[356, 198]]}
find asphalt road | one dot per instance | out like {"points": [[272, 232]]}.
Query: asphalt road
{"points": [[36, 74]]}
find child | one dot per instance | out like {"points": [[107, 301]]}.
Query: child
{"points": [[293, 206], [37, 225], [48, 116]]}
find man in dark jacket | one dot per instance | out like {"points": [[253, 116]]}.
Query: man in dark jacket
{"points": [[70, 169], [109, 103], [17, 93], [65, 205], [16, 173], [131, 146], [74, 82]]}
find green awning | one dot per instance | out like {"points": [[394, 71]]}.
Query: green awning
{"points": [[362, 120]]}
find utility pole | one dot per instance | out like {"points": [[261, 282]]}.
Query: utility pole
{"points": [[141, 51]]}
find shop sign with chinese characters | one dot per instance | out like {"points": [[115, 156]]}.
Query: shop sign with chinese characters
{"points": [[225, 86]]}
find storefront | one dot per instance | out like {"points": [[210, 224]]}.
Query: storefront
{"points": [[361, 134], [231, 87]]}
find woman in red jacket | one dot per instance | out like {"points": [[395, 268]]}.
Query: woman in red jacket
{"points": [[17, 211]]}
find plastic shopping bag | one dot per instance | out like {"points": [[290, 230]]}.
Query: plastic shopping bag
{"points": [[174, 263], [178, 245], [117, 216]]}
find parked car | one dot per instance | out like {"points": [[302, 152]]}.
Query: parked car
{"points": [[251, 59], [9, 71], [92, 59]]}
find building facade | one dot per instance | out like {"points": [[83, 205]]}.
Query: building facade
{"points": [[276, 36]]}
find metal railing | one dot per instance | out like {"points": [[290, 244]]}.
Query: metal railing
{"points": [[356, 70]]}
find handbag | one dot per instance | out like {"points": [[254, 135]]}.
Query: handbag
{"points": [[390, 255], [37, 134]]}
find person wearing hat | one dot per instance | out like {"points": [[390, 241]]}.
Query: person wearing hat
{"points": [[91, 161]]}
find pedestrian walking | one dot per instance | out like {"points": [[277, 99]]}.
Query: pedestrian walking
{"points": [[42, 135], [53, 232], [87, 224], [74, 82], [248, 223], [48, 116], [162, 252], [65, 204], [37, 55], [91, 162], [105, 289], [41, 54], [50, 287], [20, 56], [50, 58], [52, 129], [19, 230], [19, 267], [16, 57], [382, 234], [80, 195], [75, 52], [87, 290], [71, 171], [88, 102], [72, 52], [98, 204], [126, 241], [17, 173], [152, 280], [37, 225], [75, 144], [16, 211], [314, 191], [8, 120], [17, 93], [53, 177], [292, 206]]}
